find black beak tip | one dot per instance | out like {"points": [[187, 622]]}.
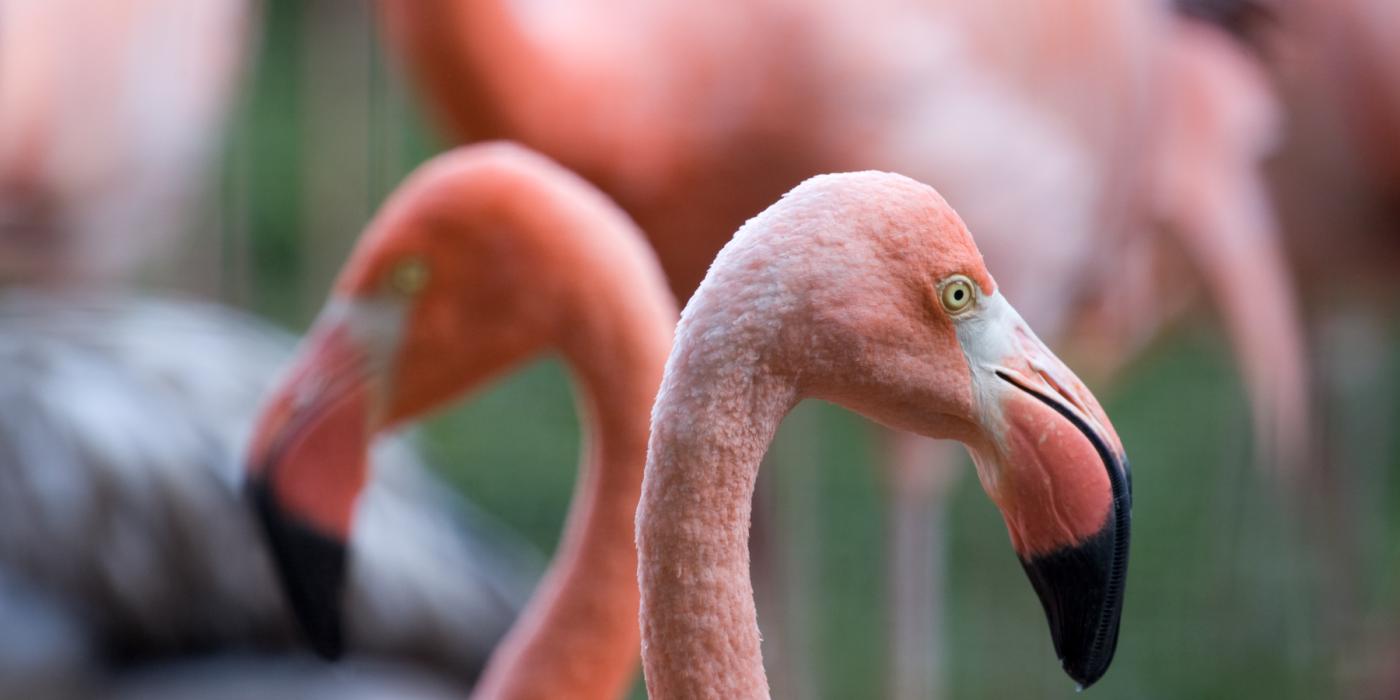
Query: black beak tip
{"points": [[1086, 670], [310, 566], [1081, 589]]}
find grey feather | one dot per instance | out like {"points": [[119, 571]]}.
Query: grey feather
{"points": [[122, 423]]}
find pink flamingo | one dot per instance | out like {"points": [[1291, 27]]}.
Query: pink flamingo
{"points": [[1347, 52], [1336, 67], [1219, 120], [485, 257], [865, 290], [111, 113]]}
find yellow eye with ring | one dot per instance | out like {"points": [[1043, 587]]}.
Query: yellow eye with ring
{"points": [[409, 276], [957, 294]]}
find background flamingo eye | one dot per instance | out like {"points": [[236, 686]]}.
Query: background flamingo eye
{"points": [[408, 276]]}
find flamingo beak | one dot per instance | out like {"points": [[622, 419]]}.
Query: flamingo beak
{"points": [[307, 467], [1055, 468]]}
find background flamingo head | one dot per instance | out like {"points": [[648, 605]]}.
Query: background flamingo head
{"points": [[477, 263]]}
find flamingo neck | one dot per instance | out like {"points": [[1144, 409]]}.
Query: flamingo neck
{"points": [[711, 425], [578, 636]]}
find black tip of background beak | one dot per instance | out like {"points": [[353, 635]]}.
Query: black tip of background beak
{"points": [[1081, 589], [311, 567]]}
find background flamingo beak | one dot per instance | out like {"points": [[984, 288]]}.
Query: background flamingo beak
{"points": [[306, 468], [311, 567]]}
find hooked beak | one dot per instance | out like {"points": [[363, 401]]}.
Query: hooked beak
{"points": [[307, 466], [1081, 582], [1057, 471]]}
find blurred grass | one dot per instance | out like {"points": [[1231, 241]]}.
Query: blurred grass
{"points": [[1224, 600]]}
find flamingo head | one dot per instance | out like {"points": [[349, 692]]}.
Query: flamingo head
{"points": [[890, 311], [466, 271]]}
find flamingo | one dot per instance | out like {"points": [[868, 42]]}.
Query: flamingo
{"points": [[1347, 52], [1335, 68], [866, 290], [694, 116], [111, 113], [484, 257]]}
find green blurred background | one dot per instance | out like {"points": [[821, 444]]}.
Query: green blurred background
{"points": [[1234, 590]]}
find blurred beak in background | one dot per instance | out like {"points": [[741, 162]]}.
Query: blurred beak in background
{"points": [[308, 464], [1054, 466]]}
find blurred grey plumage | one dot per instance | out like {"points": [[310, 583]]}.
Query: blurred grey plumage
{"points": [[299, 678], [123, 534]]}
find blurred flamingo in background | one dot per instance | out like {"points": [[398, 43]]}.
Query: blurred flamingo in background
{"points": [[1218, 121], [111, 113], [1335, 66], [1005, 104], [865, 289], [485, 257], [1067, 134], [122, 417], [1348, 50]]}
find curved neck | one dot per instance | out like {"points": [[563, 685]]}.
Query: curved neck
{"points": [[578, 636], [710, 430], [475, 60]]}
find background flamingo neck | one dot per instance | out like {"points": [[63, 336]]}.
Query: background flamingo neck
{"points": [[712, 424], [578, 637], [477, 57]]}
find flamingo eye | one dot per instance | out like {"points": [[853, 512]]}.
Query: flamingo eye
{"points": [[408, 276], [957, 294]]}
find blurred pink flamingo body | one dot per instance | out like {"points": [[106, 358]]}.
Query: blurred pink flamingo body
{"points": [[1336, 66], [110, 112], [485, 257], [1017, 110]]}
